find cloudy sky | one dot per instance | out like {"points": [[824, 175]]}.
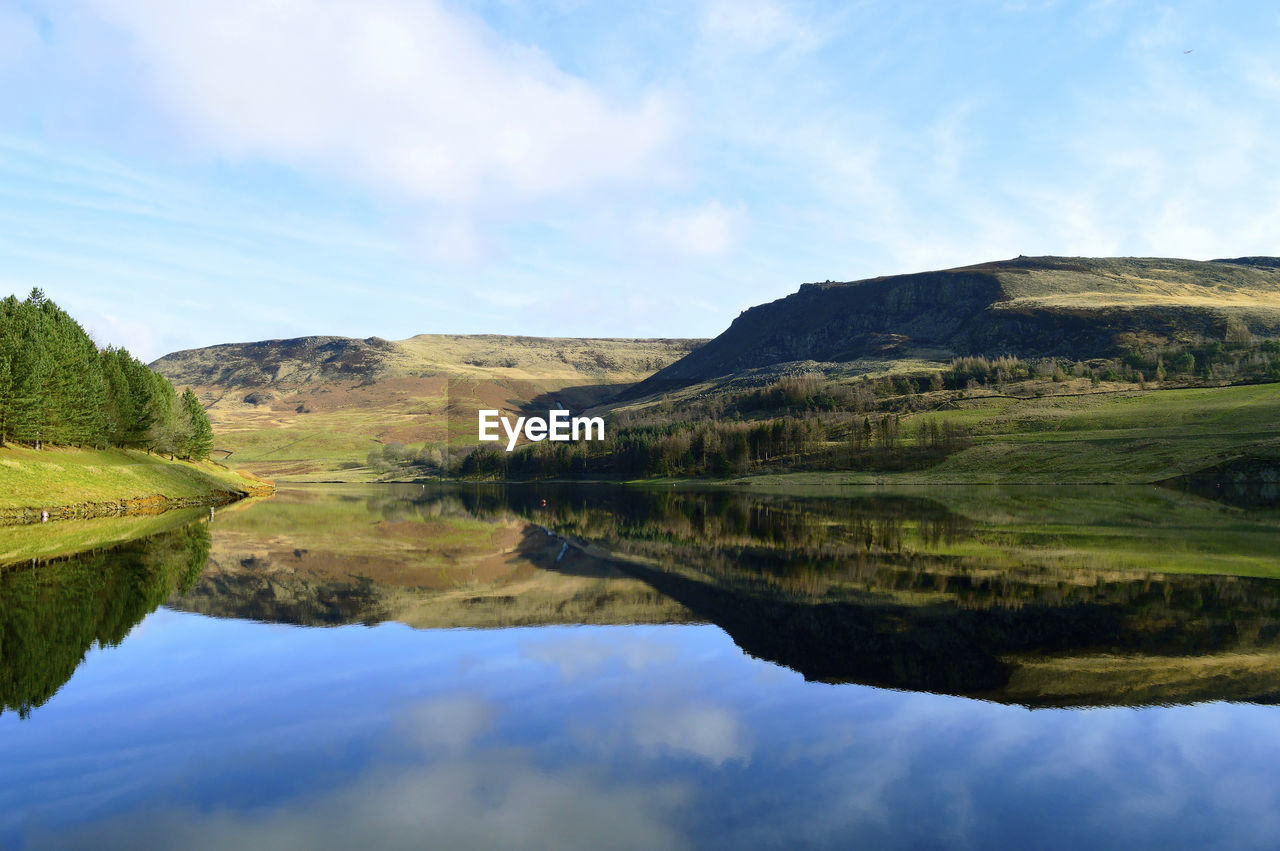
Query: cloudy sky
{"points": [[183, 174]]}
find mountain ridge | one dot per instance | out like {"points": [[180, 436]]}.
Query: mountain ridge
{"points": [[1072, 307], [317, 406], [258, 363]]}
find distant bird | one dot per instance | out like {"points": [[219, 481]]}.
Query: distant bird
{"points": [[1185, 52]]}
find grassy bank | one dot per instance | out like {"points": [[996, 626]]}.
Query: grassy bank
{"points": [[50, 479]]}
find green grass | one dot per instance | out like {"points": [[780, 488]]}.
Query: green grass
{"points": [[1104, 438], [68, 476]]}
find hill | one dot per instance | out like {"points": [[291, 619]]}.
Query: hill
{"points": [[315, 407], [1071, 307]]}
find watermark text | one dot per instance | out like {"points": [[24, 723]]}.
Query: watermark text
{"points": [[557, 426]]}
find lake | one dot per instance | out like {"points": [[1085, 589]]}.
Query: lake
{"points": [[596, 666]]}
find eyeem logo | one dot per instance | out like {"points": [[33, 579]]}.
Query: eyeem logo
{"points": [[559, 427]]}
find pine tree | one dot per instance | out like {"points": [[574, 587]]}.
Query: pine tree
{"points": [[200, 435], [6, 395], [162, 436], [57, 387]]}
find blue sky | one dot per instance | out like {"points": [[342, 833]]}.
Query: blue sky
{"points": [[179, 175]]}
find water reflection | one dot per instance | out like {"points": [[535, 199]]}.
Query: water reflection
{"points": [[902, 591], [52, 612], [310, 687], [393, 737]]}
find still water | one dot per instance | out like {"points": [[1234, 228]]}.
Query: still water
{"points": [[407, 666]]}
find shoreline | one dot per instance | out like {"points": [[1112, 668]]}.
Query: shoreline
{"points": [[130, 506], [75, 483]]}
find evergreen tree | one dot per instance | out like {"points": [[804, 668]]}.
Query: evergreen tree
{"points": [[199, 433], [6, 394], [57, 387]]}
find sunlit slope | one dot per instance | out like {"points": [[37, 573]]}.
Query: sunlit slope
{"points": [[1139, 281], [1118, 438], [315, 406], [63, 476], [1075, 307]]}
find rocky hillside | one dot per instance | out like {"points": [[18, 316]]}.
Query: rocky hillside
{"points": [[1031, 306]]}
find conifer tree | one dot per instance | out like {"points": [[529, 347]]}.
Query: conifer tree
{"points": [[200, 433], [57, 387]]}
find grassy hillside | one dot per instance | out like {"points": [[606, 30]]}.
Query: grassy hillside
{"points": [[1045, 369], [1074, 307], [65, 476], [314, 407], [1119, 437]]}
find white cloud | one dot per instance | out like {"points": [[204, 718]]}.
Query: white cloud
{"points": [[412, 98], [708, 230], [453, 241], [755, 25]]}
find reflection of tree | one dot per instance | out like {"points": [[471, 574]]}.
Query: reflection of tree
{"points": [[51, 614], [709, 520], [871, 590]]}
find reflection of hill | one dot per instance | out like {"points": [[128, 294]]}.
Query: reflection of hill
{"points": [[322, 557], [1023, 597], [1136, 640], [901, 592], [52, 613]]}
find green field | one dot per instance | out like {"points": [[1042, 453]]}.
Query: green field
{"points": [[1100, 438], [46, 478]]}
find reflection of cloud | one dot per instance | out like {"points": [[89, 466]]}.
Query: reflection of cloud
{"points": [[497, 800], [712, 733], [450, 723], [589, 650]]}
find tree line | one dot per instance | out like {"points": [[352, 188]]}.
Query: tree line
{"points": [[58, 387], [831, 441], [1233, 362]]}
